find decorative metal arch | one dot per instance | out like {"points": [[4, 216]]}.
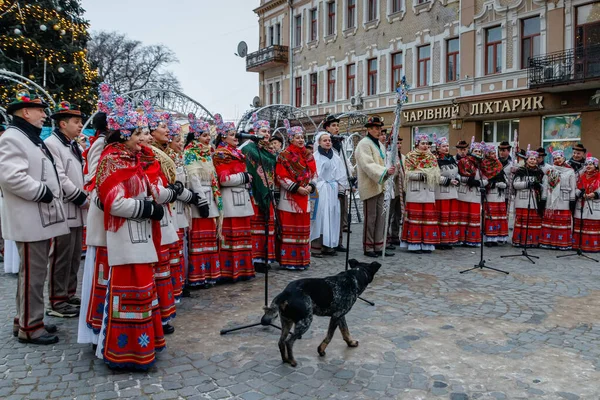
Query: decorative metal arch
{"points": [[30, 85], [275, 114], [172, 101]]}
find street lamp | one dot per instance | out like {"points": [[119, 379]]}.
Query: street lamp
{"points": [[456, 121]]}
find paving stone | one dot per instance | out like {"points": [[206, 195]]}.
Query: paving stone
{"points": [[459, 396], [568, 396]]}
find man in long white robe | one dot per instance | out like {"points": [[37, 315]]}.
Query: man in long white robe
{"points": [[331, 183]]}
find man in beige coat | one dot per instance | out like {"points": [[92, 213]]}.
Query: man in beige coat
{"points": [[65, 255], [33, 212], [372, 173]]}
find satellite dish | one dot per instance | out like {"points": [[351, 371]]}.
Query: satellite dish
{"points": [[242, 49], [256, 101]]}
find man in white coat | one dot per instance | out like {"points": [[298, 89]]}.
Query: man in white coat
{"points": [[372, 174], [33, 212], [65, 255]]}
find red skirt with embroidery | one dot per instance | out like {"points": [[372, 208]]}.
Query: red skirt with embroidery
{"points": [[294, 249], [421, 224], [258, 236], [176, 264], [556, 230], [496, 222], [469, 215], [532, 225], [95, 309], [164, 284], [590, 240], [134, 331], [236, 249], [204, 264], [448, 221]]}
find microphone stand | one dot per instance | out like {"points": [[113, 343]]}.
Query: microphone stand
{"points": [[579, 251], [524, 251], [267, 267], [352, 198], [481, 264]]}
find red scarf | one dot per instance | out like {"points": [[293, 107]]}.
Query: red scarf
{"points": [[152, 167], [467, 166], [490, 166], [589, 182], [119, 167], [228, 161], [297, 164]]}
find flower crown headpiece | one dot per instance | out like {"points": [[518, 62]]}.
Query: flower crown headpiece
{"points": [[440, 141], [197, 126], [591, 160], [531, 153], [558, 153], [489, 148], [259, 123], [125, 119], [106, 98], [222, 126], [292, 130], [155, 118], [173, 126]]}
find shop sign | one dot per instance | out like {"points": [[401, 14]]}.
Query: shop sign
{"points": [[532, 103]]}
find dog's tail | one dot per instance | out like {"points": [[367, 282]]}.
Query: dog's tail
{"points": [[271, 312]]}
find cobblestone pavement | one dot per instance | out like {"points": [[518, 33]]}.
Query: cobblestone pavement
{"points": [[433, 334]]}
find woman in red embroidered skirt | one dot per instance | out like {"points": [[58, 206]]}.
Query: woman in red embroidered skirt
{"points": [[421, 231], [496, 220], [262, 183], [204, 264], [587, 213], [295, 171], [446, 195], [236, 243], [560, 202], [469, 199], [132, 330], [529, 183]]}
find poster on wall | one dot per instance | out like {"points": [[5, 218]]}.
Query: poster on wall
{"points": [[439, 130], [561, 132]]}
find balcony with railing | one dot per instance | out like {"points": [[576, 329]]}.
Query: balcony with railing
{"points": [[269, 57], [579, 67]]}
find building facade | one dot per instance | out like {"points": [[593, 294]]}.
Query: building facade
{"points": [[482, 68]]}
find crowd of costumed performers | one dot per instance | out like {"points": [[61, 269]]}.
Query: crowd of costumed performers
{"points": [[169, 209], [554, 203]]}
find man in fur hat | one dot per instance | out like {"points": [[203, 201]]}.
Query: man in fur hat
{"points": [[33, 211]]}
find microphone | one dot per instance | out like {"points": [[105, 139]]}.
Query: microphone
{"points": [[243, 136]]}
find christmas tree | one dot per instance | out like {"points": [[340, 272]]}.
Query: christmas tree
{"points": [[45, 41]]}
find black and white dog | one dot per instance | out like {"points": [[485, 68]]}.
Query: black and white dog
{"points": [[332, 296]]}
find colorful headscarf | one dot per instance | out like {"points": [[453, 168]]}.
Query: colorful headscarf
{"points": [[591, 160]]}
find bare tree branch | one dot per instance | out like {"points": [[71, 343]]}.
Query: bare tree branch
{"points": [[129, 65]]}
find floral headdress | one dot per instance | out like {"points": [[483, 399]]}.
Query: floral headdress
{"points": [[591, 160], [222, 126], [124, 118], [173, 127], [476, 145], [422, 138], [106, 98], [259, 123], [292, 130], [197, 126], [489, 148], [153, 117], [531, 153], [441, 141], [558, 153]]}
